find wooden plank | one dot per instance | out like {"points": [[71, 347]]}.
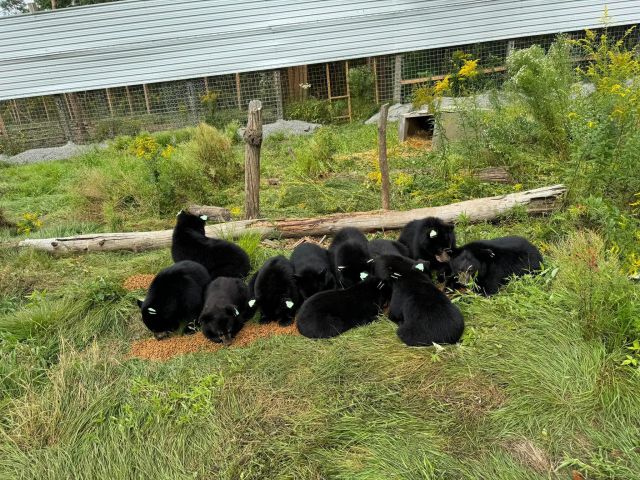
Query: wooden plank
{"points": [[346, 74], [129, 99], [375, 81], [413, 81], [397, 79], [382, 156]]}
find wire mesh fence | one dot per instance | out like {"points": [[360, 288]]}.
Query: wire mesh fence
{"points": [[328, 92]]}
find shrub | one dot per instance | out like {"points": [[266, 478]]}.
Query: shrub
{"points": [[316, 158], [310, 110], [542, 82], [361, 88], [30, 222], [231, 132], [115, 126], [212, 150]]}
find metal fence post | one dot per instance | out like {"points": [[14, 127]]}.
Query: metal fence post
{"points": [[397, 79], [277, 85]]}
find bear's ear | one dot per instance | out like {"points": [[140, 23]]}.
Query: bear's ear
{"points": [[140, 301], [252, 302], [322, 271], [204, 218], [232, 310]]}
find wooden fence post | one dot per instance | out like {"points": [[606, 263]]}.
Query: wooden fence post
{"points": [[3, 128], [277, 85], [63, 116], [147, 101], [253, 138], [382, 155]]}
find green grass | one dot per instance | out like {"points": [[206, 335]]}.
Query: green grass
{"points": [[536, 389]]}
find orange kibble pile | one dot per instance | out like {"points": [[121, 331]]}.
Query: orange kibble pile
{"points": [[152, 349], [138, 282]]}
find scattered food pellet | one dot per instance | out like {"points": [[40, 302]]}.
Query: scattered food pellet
{"points": [[138, 282], [152, 349]]}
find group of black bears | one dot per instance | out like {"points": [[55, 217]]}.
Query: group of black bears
{"points": [[329, 291]]}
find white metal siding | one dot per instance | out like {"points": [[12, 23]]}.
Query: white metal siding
{"points": [[146, 41]]}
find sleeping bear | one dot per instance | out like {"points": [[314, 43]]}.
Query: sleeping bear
{"points": [[328, 314], [423, 313], [273, 290], [312, 269], [381, 246], [350, 258], [174, 298], [220, 257], [430, 239], [490, 263], [225, 309]]}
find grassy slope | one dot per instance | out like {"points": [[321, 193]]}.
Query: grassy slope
{"points": [[535, 387]]}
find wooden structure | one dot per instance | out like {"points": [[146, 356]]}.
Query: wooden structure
{"points": [[253, 139]]}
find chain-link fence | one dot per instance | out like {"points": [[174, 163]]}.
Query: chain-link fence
{"points": [[327, 92]]}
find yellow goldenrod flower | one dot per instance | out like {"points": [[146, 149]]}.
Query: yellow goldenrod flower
{"points": [[469, 69], [442, 86], [591, 124], [572, 115]]}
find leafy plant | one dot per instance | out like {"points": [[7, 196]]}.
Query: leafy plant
{"points": [[116, 126], [29, 222], [310, 110]]}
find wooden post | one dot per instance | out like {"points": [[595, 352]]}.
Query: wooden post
{"points": [[375, 80], [3, 128], [46, 110], [126, 88], [206, 85], [253, 138], [277, 84], [511, 45], [382, 155], [328, 81], [63, 116], [78, 115], [346, 74], [238, 92], [17, 110], [109, 102], [147, 101], [397, 80]]}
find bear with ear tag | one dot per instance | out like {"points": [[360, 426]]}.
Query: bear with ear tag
{"points": [[486, 265], [174, 298], [225, 309], [424, 314], [220, 257], [350, 257], [430, 239], [273, 291], [312, 269], [331, 313]]}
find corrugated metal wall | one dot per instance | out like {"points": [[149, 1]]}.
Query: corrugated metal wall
{"points": [[146, 41]]}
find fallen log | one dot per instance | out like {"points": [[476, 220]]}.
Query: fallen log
{"points": [[494, 175], [215, 214], [537, 201]]}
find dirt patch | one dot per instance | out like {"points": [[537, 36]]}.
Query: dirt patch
{"points": [[138, 282], [152, 349], [529, 455]]}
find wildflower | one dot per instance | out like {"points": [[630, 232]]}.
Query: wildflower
{"points": [[572, 115], [305, 86], [235, 211], [517, 187], [375, 177], [403, 180], [442, 86], [591, 124], [469, 69], [167, 151], [616, 88]]}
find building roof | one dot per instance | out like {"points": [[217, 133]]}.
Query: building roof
{"points": [[145, 41]]}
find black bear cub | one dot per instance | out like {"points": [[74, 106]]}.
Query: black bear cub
{"points": [[274, 292], [312, 269], [381, 246], [220, 257], [423, 313], [430, 239], [350, 257], [490, 263], [174, 298], [225, 309], [328, 314]]}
